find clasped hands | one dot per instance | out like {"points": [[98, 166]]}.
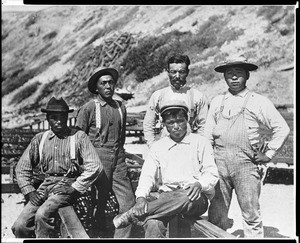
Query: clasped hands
{"points": [[193, 192], [260, 157], [37, 198]]}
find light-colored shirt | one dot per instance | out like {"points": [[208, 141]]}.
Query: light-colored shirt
{"points": [[169, 93], [56, 158], [174, 165], [260, 113], [112, 134]]}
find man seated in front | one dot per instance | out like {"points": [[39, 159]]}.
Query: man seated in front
{"points": [[181, 168]]}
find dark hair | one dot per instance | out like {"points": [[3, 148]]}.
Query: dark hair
{"points": [[173, 112], [178, 58]]}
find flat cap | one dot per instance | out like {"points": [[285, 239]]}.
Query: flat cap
{"points": [[173, 104]]}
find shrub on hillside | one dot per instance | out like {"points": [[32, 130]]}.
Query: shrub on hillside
{"points": [[11, 83], [149, 57], [42, 50], [24, 93], [31, 20], [46, 90], [50, 35]]}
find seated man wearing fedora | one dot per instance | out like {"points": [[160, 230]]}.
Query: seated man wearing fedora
{"points": [[104, 120], [181, 167], [233, 127], [63, 182]]}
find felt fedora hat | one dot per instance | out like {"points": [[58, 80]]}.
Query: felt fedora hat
{"points": [[97, 73], [236, 61], [173, 104], [56, 105]]}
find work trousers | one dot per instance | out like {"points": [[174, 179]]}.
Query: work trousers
{"points": [[39, 221], [115, 179], [167, 206]]}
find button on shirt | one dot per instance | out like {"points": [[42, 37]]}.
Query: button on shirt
{"points": [[111, 132], [259, 112], [56, 160], [170, 164], [169, 93]]}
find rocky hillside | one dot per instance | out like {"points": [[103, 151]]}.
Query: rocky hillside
{"points": [[53, 51]]}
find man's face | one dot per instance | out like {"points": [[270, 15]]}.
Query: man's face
{"points": [[106, 86], [57, 121], [176, 125], [236, 78], [177, 74]]}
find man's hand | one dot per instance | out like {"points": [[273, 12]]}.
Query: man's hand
{"points": [[35, 198], [194, 191], [260, 157], [141, 207]]}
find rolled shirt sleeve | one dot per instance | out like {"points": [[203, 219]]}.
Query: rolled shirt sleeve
{"points": [[25, 165], [259, 112], [92, 166]]}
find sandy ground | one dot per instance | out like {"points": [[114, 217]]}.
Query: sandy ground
{"points": [[277, 207]]}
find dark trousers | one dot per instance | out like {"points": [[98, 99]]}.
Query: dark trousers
{"points": [[115, 179]]}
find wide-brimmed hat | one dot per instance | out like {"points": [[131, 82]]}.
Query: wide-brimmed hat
{"points": [[173, 104], [57, 105], [236, 61], [98, 72]]}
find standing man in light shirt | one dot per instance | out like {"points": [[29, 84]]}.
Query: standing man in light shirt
{"points": [[233, 127], [63, 181], [178, 71], [181, 167]]}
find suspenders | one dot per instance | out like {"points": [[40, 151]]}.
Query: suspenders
{"points": [[98, 116], [72, 145], [243, 107], [72, 148]]}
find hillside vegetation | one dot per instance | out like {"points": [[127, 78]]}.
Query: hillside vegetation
{"points": [[54, 51]]}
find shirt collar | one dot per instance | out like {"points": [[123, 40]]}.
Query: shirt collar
{"points": [[104, 102], [182, 89], [65, 134], [171, 143], [240, 94]]}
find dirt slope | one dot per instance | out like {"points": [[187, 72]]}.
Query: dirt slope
{"points": [[50, 47]]}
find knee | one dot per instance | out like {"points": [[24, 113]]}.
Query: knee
{"points": [[40, 214], [21, 229], [18, 226]]}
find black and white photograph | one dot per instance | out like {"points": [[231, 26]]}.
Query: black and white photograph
{"points": [[148, 121]]}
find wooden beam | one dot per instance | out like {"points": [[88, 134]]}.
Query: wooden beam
{"points": [[135, 157], [10, 188], [210, 230], [289, 161], [71, 224]]}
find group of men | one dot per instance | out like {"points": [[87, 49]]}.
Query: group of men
{"points": [[197, 154]]}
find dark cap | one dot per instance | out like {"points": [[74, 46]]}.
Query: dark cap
{"points": [[98, 72], [56, 105]]}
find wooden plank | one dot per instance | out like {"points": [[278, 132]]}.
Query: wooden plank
{"points": [[134, 157], [289, 161], [5, 169], [210, 230], [72, 224], [10, 188]]}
